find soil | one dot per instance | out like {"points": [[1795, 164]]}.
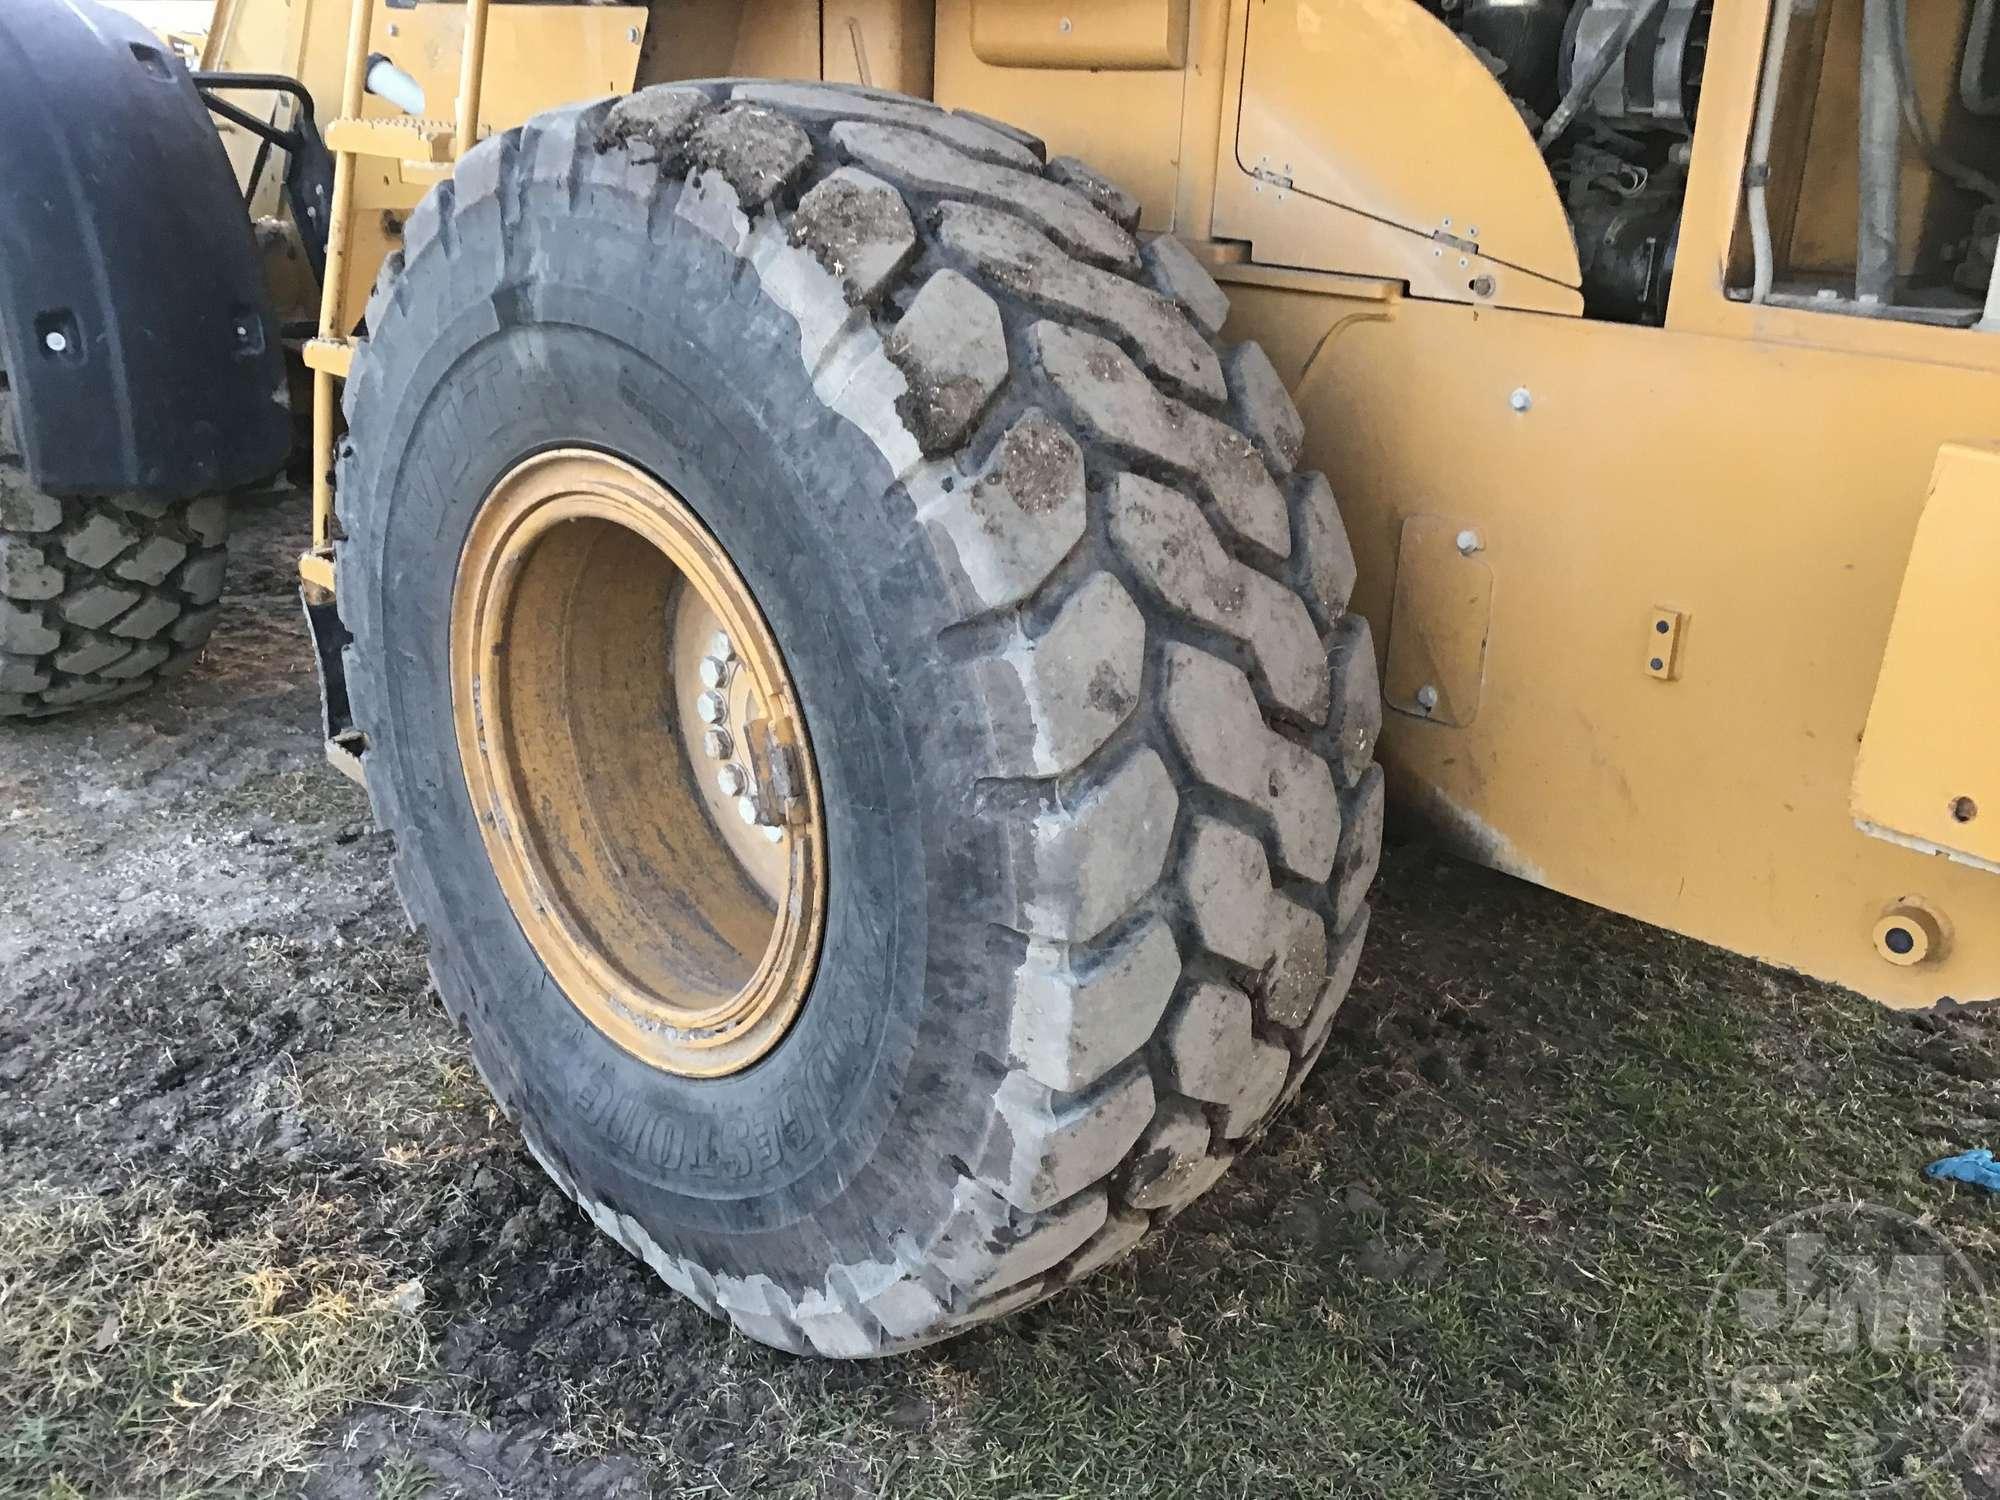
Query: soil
{"points": [[1466, 1252]]}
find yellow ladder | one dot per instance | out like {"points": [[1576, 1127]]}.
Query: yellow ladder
{"points": [[427, 149]]}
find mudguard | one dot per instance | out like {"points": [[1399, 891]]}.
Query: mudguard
{"points": [[133, 319]]}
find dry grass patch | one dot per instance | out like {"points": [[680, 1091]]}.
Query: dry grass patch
{"points": [[141, 1352]]}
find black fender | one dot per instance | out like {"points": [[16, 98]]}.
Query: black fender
{"points": [[134, 324]]}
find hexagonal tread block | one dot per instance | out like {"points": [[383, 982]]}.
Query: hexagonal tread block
{"points": [[151, 561], [25, 571], [952, 350], [1113, 397], [1227, 883], [923, 162], [1324, 566], [1055, 698], [98, 540], [1175, 551], [1112, 200], [859, 228], [1265, 407], [1078, 1013], [960, 132], [1213, 718], [1025, 262], [1167, 1158], [1047, 1145], [1085, 864], [1004, 531], [1172, 268], [757, 151]]}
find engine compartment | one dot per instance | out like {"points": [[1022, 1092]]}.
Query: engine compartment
{"points": [[1870, 190]]}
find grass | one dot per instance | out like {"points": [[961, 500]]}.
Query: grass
{"points": [[1478, 1260], [144, 1352]]}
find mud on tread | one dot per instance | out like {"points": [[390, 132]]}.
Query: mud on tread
{"points": [[100, 597], [1122, 651]]}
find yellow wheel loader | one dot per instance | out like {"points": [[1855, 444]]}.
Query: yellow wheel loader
{"points": [[881, 559]]}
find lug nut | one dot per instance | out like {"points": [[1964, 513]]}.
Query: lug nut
{"points": [[732, 780], [774, 833], [747, 809], [721, 646], [712, 707], [714, 671], [718, 744]]}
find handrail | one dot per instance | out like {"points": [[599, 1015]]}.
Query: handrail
{"points": [[335, 323]]}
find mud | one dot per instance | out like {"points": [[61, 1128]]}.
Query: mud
{"points": [[758, 151]]}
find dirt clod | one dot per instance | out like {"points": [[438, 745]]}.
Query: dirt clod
{"points": [[1036, 463]]}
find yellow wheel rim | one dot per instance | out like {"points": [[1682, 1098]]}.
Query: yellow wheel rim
{"points": [[638, 763]]}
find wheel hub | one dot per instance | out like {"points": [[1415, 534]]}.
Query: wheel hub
{"points": [[638, 762]]}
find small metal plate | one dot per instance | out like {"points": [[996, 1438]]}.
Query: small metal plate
{"points": [[1439, 621], [1927, 776], [1661, 651]]}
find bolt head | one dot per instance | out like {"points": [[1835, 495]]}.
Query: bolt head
{"points": [[1469, 542], [718, 744], [747, 810], [712, 707], [721, 647], [1427, 697], [632, 34], [774, 833], [1521, 399], [714, 671], [732, 780], [55, 341]]}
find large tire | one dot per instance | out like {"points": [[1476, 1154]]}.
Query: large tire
{"points": [[1093, 724], [100, 596]]}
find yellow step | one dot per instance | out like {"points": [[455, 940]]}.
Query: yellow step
{"points": [[335, 356], [397, 139]]}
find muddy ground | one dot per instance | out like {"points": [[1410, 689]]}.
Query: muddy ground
{"points": [[260, 1231]]}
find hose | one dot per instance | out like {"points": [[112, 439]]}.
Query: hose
{"points": [[1972, 71], [1759, 173], [1946, 166], [1585, 84]]}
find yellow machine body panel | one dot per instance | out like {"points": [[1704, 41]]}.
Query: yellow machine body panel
{"points": [[1929, 771], [1343, 160], [1766, 503], [1698, 538]]}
